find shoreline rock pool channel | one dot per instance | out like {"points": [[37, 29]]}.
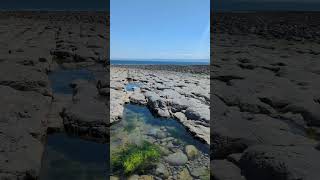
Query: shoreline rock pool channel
{"points": [[160, 123], [35, 45], [76, 145]]}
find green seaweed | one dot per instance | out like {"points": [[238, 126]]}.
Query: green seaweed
{"points": [[135, 158], [129, 127]]}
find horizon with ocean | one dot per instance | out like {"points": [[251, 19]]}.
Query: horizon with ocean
{"points": [[160, 62]]}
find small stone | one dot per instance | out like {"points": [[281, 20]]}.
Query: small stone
{"points": [[162, 171], [185, 175], [114, 178], [170, 145], [191, 151], [134, 177], [177, 159], [200, 172], [161, 134], [146, 177], [164, 150]]}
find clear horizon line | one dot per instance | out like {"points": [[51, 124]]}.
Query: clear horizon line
{"points": [[161, 59]]}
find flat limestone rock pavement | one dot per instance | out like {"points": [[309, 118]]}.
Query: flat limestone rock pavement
{"points": [[25, 78], [118, 96], [281, 162], [265, 90], [181, 95], [29, 42], [225, 170], [87, 115], [22, 129]]}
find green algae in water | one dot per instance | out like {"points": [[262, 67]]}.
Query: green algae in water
{"points": [[142, 114], [130, 126], [135, 158], [139, 126]]}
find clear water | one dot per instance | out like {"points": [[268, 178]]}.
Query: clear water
{"points": [[131, 86], [62, 78], [141, 115], [139, 124], [68, 158]]}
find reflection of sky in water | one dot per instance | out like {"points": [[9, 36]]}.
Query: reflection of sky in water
{"points": [[68, 158], [131, 86], [61, 79]]}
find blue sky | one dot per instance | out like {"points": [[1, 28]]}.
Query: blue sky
{"points": [[160, 29]]}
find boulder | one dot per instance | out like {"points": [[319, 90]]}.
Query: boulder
{"points": [[191, 151], [138, 98], [176, 159], [184, 175], [157, 104], [162, 171]]}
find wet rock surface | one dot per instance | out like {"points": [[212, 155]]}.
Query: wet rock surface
{"points": [[265, 85], [33, 45], [178, 158]]}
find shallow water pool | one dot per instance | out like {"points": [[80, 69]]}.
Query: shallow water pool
{"points": [[139, 125], [67, 158], [131, 86], [62, 78]]}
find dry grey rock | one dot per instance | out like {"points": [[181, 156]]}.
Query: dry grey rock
{"points": [[225, 170], [138, 98], [24, 78], [280, 162], [22, 127], [184, 174], [157, 104], [87, 116]]}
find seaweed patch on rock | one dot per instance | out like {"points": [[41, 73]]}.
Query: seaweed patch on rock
{"points": [[135, 158]]}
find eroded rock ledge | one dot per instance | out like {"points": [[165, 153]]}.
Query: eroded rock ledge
{"points": [[29, 108], [265, 121], [184, 96]]}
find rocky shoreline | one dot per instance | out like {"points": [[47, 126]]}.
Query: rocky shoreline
{"points": [[265, 118], [181, 93], [184, 96], [34, 45], [196, 69]]}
